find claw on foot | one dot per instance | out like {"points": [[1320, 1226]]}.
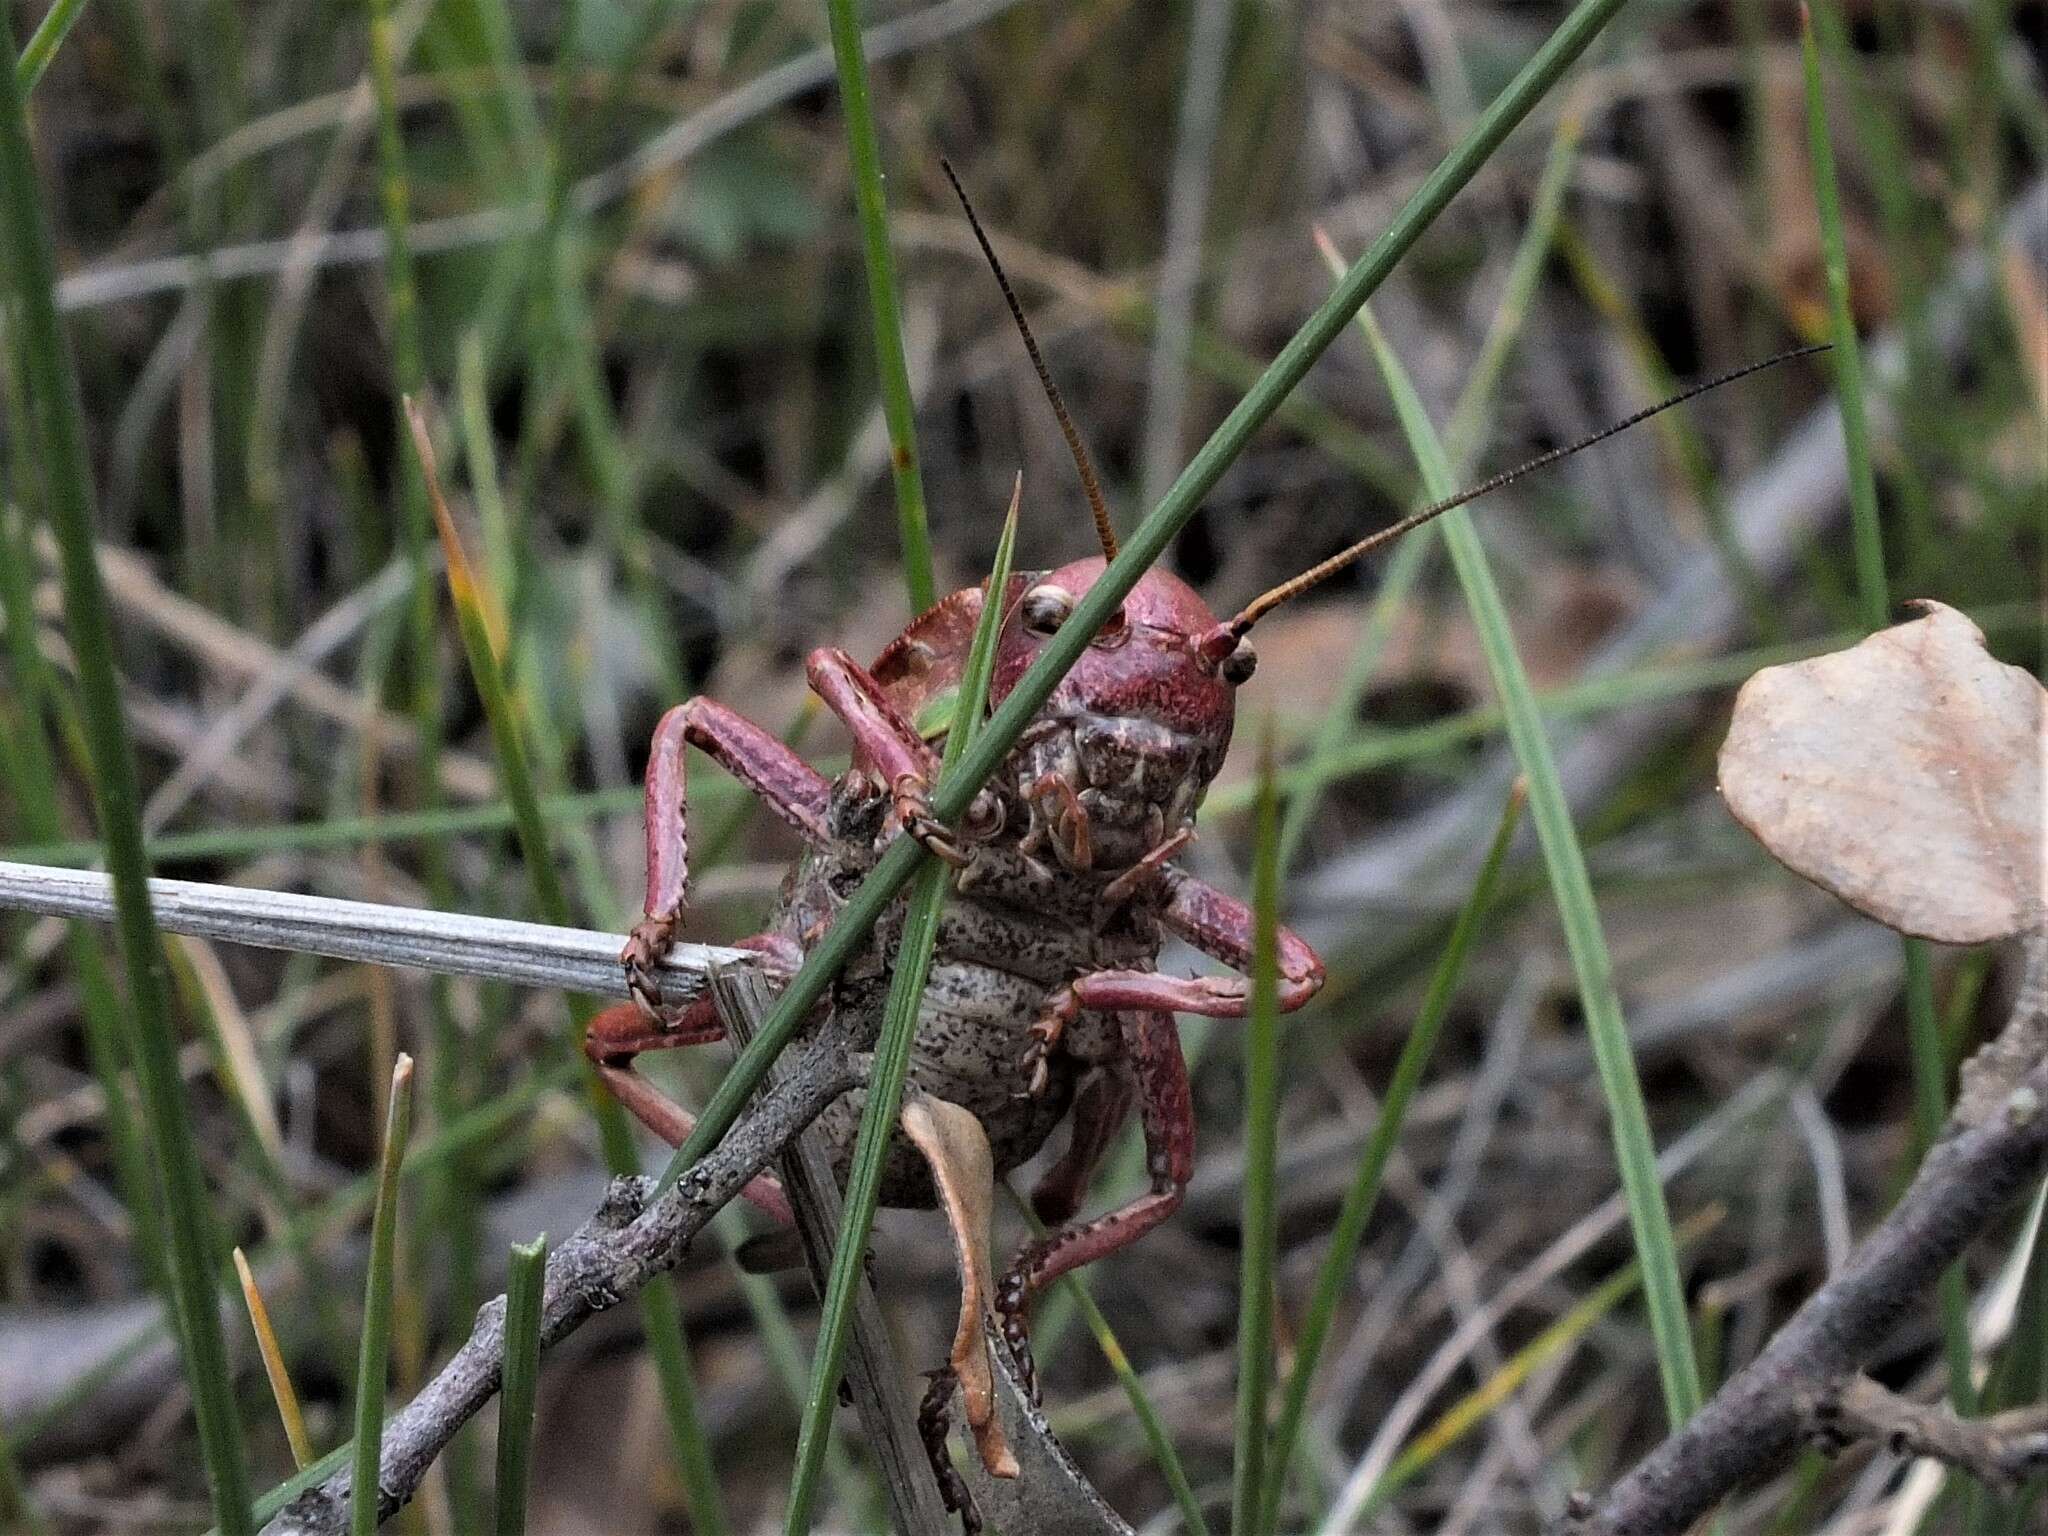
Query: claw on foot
{"points": [[1036, 1061], [1046, 1034], [912, 801], [1143, 873], [652, 937], [932, 1416]]}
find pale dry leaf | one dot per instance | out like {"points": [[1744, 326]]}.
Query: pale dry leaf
{"points": [[964, 1171], [1904, 775]]}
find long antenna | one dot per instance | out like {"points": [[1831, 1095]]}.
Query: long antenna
{"points": [[1266, 602], [1089, 483]]}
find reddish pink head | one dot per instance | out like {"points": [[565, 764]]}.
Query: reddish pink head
{"points": [[1157, 659], [1142, 721]]}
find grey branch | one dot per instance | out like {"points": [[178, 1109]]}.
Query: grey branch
{"points": [[2003, 1450], [1993, 1149], [620, 1249], [450, 943]]}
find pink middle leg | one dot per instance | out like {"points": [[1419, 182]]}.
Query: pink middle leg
{"points": [[1166, 1113], [621, 1032], [1219, 926]]}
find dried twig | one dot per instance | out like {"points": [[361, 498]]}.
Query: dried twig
{"points": [[1993, 1148], [620, 1249], [449, 943], [2002, 1450]]}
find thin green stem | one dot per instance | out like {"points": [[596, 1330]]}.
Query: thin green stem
{"points": [[44, 42], [1847, 356], [1147, 542], [408, 375], [1405, 566], [37, 799], [523, 1281], [1930, 1066], [898, 409], [1074, 1286], [1930, 1110], [53, 389], [1259, 1230], [375, 1359], [1572, 890], [16, 1506], [660, 1318]]}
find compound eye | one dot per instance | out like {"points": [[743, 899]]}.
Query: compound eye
{"points": [[1046, 608], [1240, 664]]}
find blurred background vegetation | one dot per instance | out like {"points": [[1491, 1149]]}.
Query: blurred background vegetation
{"points": [[631, 281]]}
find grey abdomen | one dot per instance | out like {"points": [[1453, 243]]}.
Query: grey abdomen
{"points": [[998, 962], [972, 1031]]}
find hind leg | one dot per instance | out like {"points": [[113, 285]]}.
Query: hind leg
{"points": [[1100, 1106], [1166, 1112], [620, 1033]]}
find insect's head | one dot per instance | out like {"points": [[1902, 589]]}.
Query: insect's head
{"points": [[1137, 727], [1163, 656]]}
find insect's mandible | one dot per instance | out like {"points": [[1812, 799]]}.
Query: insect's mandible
{"points": [[1045, 1005]]}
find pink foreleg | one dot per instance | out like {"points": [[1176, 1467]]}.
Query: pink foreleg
{"points": [[618, 1034], [889, 745], [790, 787]]}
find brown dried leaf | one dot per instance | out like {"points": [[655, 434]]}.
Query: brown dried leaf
{"points": [[964, 1170], [1904, 775]]}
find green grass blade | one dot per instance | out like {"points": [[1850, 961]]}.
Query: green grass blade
{"points": [[44, 42], [1847, 356], [282, 1391], [476, 616], [1259, 1228], [1363, 1196], [18, 1512], [898, 410], [408, 375], [890, 1071], [46, 365], [1572, 889], [661, 1322], [1930, 1111], [1147, 542], [524, 1276], [37, 802], [1405, 566], [368, 1446], [1074, 1286]]}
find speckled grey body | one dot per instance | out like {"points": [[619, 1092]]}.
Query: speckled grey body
{"points": [[1013, 931]]}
